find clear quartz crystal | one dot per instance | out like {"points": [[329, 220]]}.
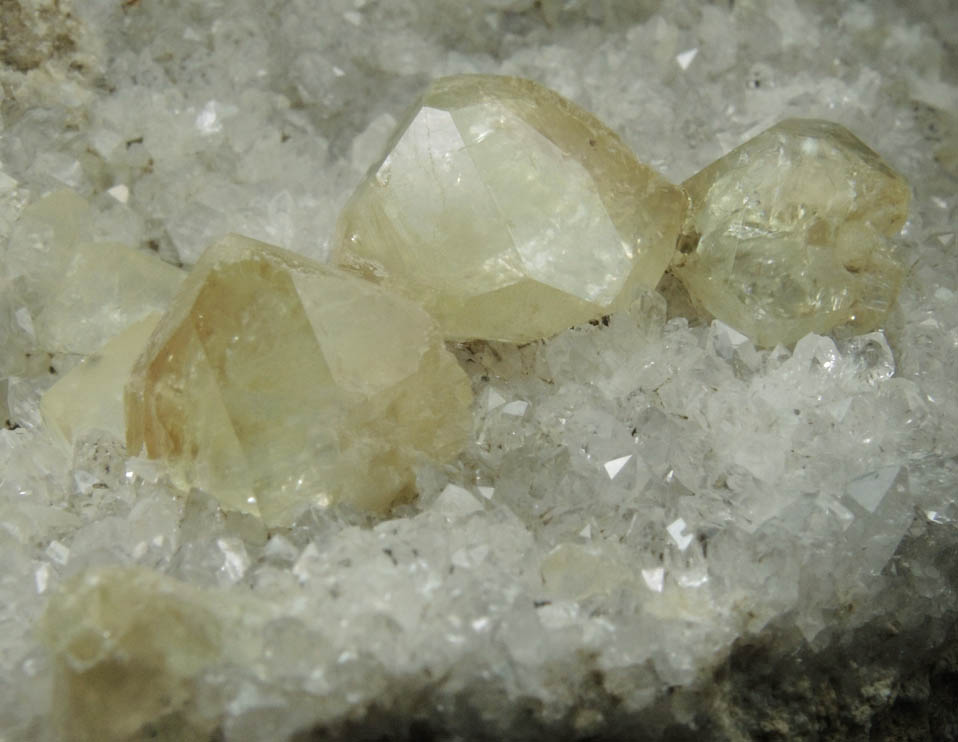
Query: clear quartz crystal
{"points": [[275, 382], [564, 606], [787, 234], [509, 212]]}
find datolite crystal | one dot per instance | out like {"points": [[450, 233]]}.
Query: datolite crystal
{"points": [[787, 234], [127, 644], [509, 212], [274, 382]]}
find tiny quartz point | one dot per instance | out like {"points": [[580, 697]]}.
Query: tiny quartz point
{"points": [[275, 382], [787, 234], [509, 213]]}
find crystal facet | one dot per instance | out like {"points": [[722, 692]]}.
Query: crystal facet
{"points": [[274, 382], [509, 212], [787, 234], [90, 396]]}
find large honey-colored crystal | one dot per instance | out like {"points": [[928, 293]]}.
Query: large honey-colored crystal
{"points": [[509, 213], [788, 234], [274, 382]]}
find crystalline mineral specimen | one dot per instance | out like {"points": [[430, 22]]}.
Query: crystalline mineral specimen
{"points": [[658, 531], [90, 397], [73, 289], [787, 234], [509, 212], [132, 641], [274, 382]]}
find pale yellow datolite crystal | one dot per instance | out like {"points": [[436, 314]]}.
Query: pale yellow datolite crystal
{"points": [[127, 645], [787, 234], [274, 382], [509, 213], [90, 396]]}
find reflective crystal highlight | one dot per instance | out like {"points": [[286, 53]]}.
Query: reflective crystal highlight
{"points": [[509, 212], [787, 234], [274, 382]]}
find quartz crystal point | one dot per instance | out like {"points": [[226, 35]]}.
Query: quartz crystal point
{"points": [[787, 234], [509, 212], [274, 382]]}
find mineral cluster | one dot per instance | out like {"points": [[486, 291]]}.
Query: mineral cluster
{"points": [[509, 212], [788, 234], [274, 382]]}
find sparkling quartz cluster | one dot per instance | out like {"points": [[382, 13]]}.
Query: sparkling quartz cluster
{"points": [[508, 213]]}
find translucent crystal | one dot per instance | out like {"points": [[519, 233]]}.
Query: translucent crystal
{"points": [[787, 234], [106, 287], [90, 396], [77, 290], [132, 641], [509, 212], [275, 382]]}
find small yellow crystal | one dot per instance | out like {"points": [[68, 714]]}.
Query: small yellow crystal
{"points": [[274, 382], [90, 396], [509, 213], [787, 234], [127, 645]]}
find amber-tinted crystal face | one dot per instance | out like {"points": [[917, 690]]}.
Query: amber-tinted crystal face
{"points": [[509, 213], [788, 234], [274, 382]]}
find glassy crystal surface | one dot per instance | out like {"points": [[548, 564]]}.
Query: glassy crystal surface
{"points": [[88, 289], [274, 382], [90, 396], [787, 234], [509, 212], [106, 286]]}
